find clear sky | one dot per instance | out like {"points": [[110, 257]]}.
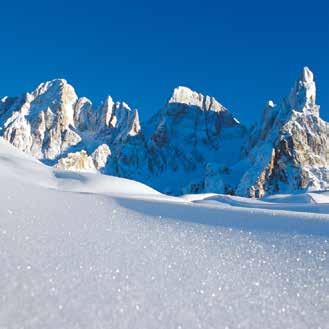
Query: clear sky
{"points": [[241, 52]]}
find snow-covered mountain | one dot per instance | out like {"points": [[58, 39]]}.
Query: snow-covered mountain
{"points": [[176, 144], [193, 144], [289, 149]]}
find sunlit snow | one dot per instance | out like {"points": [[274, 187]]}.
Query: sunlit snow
{"points": [[87, 251]]}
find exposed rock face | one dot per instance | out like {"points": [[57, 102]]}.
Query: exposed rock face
{"points": [[123, 123], [51, 121], [116, 121], [290, 150], [303, 94], [81, 161], [84, 116], [187, 133], [78, 161], [41, 122], [100, 156], [193, 144]]}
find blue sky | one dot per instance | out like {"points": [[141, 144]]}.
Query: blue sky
{"points": [[241, 52]]}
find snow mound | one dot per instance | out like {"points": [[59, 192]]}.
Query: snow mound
{"points": [[304, 202], [313, 197], [101, 184], [22, 167]]}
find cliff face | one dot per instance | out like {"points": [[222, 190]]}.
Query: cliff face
{"points": [[289, 150], [193, 144], [191, 131], [41, 122]]}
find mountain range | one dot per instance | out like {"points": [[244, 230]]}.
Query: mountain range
{"points": [[192, 145]]}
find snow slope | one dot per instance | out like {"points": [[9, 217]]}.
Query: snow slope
{"points": [[80, 252], [316, 202]]}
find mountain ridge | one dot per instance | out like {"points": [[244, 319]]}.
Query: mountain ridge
{"points": [[192, 144]]}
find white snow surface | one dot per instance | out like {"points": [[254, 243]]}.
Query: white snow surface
{"points": [[87, 251]]}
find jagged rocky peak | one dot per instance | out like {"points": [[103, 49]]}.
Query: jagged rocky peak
{"points": [[118, 121], [184, 95], [39, 122], [302, 97], [84, 114], [190, 131], [110, 118], [51, 119], [106, 112], [113, 113], [58, 96], [291, 147], [55, 88], [135, 126], [185, 103]]}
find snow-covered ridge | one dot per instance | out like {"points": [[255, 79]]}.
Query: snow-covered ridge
{"points": [[192, 145]]}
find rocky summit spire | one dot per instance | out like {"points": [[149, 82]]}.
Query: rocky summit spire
{"points": [[303, 95]]}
